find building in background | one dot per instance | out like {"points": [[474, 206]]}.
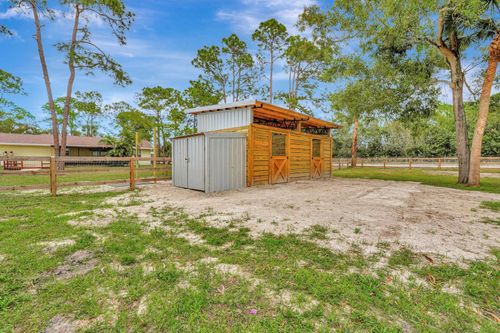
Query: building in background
{"points": [[41, 146]]}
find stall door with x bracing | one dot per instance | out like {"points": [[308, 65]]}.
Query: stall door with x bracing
{"points": [[316, 159], [279, 168]]}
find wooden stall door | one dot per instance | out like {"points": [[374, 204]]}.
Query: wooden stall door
{"points": [[279, 168], [316, 159]]}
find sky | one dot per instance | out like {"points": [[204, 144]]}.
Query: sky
{"points": [[160, 45]]}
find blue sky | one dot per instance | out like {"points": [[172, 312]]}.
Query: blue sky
{"points": [[161, 44]]}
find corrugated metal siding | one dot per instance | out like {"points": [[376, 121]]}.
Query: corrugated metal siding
{"points": [[217, 120], [226, 162], [196, 162], [179, 167], [210, 162]]}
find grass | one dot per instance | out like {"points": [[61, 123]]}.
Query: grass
{"points": [[493, 205], [156, 280], [116, 173], [491, 185]]}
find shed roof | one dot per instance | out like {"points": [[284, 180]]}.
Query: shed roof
{"points": [[47, 140], [267, 110]]}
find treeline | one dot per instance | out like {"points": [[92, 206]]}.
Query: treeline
{"points": [[377, 67], [432, 136], [229, 72]]}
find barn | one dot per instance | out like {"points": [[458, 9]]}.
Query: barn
{"points": [[251, 143]]}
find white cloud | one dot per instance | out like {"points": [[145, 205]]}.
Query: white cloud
{"points": [[252, 12], [16, 12]]}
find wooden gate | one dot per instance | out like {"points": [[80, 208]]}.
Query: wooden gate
{"points": [[279, 167], [316, 159]]}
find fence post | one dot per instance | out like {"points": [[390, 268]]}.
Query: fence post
{"points": [[439, 163], [409, 163], [385, 162], [53, 176], [154, 154], [132, 174], [340, 166], [362, 162]]}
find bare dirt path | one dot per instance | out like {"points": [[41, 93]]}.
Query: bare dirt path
{"points": [[427, 219]]}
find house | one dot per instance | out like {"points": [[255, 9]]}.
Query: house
{"points": [[250, 143], [41, 145]]}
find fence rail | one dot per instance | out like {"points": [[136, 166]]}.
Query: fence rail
{"points": [[25, 172], [413, 162]]}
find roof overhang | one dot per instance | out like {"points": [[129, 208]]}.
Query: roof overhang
{"points": [[267, 110]]}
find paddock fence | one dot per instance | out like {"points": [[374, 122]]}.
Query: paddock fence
{"points": [[440, 163], [31, 173]]}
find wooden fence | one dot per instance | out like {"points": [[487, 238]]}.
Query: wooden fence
{"points": [[413, 162], [24, 173]]}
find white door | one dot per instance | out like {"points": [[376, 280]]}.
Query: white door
{"points": [[180, 162], [196, 162]]}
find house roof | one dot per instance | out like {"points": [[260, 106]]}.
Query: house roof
{"points": [[47, 140], [268, 111]]}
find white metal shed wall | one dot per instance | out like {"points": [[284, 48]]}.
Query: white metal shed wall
{"points": [[217, 120], [210, 162], [226, 161]]}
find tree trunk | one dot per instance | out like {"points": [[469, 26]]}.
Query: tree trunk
{"points": [[71, 80], [457, 87], [484, 104], [46, 78], [271, 63], [354, 147]]}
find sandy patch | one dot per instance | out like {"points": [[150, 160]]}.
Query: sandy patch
{"points": [[97, 218], [60, 324], [78, 263], [143, 306], [53, 246], [424, 218]]}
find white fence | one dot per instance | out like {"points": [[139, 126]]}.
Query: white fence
{"points": [[413, 162]]}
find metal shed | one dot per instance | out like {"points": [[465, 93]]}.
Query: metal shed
{"points": [[210, 162]]}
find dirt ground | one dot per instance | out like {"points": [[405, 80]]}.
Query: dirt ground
{"points": [[427, 219]]}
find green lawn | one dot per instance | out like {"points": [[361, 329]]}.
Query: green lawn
{"points": [[141, 279], [417, 175], [108, 174]]}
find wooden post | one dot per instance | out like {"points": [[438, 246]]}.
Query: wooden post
{"points": [[362, 162], [439, 163], [340, 166], [409, 163], [154, 154], [132, 174], [385, 163], [53, 176]]}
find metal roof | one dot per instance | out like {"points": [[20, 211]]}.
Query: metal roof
{"points": [[47, 140], [277, 110]]}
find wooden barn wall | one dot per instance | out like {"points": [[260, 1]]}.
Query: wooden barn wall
{"points": [[300, 156], [259, 147], [300, 151], [327, 146], [261, 152]]}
